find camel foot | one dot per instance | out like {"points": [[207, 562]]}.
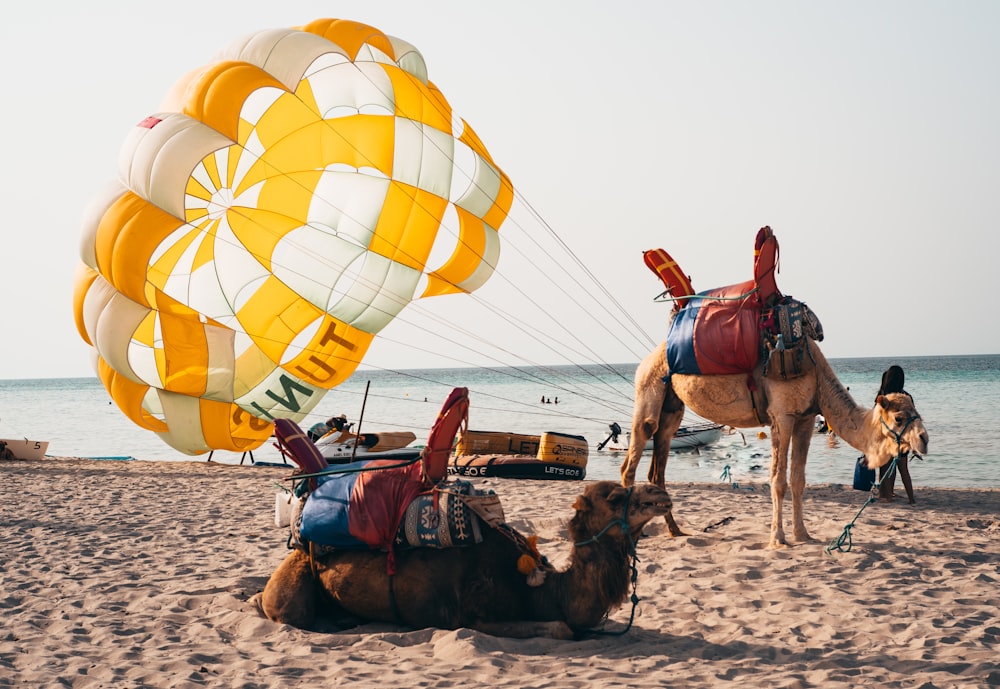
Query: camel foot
{"points": [[804, 537], [777, 541], [256, 601], [675, 530]]}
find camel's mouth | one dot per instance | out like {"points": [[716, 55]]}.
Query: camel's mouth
{"points": [[651, 499], [655, 506]]}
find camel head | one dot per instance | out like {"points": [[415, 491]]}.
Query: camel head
{"points": [[603, 506], [900, 426]]}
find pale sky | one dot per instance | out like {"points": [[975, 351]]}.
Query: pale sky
{"points": [[867, 134]]}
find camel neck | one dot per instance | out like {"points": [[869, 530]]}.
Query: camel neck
{"points": [[848, 420]]}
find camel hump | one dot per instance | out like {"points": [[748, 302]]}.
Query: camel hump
{"points": [[765, 265], [673, 278]]}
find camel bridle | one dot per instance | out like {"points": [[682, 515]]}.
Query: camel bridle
{"points": [[898, 437], [843, 543], [621, 522]]}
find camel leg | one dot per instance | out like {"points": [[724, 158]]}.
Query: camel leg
{"points": [[802, 434], [650, 396], [781, 432], [658, 414], [527, 630], [670, 421], [637, 441], [291, 595], [649, 400]]}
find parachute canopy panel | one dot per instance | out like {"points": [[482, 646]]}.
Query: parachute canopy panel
{"points": [[274, 215]]}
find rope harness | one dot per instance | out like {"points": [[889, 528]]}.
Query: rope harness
{"points": [[844, 542], [621, 522]]}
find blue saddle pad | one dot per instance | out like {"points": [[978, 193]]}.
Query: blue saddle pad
{"points": [[716, 333], [325, 515]]}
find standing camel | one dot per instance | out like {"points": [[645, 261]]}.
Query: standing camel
{"points": [[891, 428]]}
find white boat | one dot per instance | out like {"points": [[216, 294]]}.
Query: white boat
{"points": [[26, 449], [689, 437], [338, 447], [693, 436]]}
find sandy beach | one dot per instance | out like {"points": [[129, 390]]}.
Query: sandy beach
{"points": [[141, 574]]}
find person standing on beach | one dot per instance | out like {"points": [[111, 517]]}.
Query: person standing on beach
{"points": [[892, 381]]}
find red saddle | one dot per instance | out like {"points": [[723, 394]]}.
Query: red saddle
{"points": [[718, 332], [377, 492]]}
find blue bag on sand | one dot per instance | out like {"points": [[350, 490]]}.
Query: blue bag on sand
{"points": [[864, 478]]}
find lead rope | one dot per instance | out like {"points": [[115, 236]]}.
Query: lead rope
{"points": [[634, 598], [634, 578], [843, 542]]}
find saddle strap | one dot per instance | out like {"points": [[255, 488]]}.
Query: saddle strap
{"points": [[752, 388]]}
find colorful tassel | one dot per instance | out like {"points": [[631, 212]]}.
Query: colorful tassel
{"points": [[526, 564]]}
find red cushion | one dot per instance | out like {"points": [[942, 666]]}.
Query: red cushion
{"points": [[298, 446], [765, 263], [454, 413], [673, 278]]}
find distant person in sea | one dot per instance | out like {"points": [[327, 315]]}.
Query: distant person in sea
{"points": [[892, 381], [334, 423]]}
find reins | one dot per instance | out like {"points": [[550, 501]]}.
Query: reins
{"points": [[844, 542], [621, 522]]}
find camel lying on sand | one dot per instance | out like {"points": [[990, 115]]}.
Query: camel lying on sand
{"points": [[478, 586], [889, 429]]}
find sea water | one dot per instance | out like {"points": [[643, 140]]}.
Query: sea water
{"points": [[957, 396]]}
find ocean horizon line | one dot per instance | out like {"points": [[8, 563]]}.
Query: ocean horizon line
{"points": [[376, 369]]}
